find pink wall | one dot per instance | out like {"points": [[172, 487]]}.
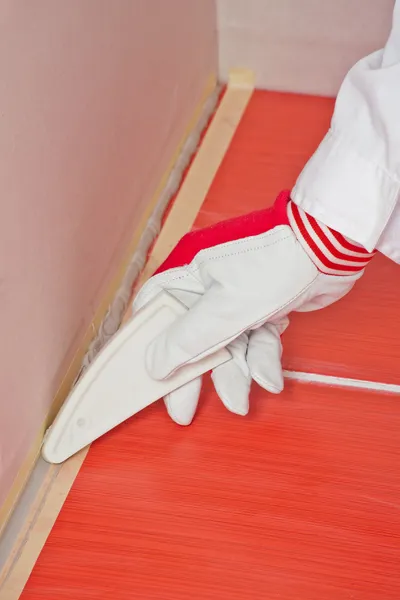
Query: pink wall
{"points": [[300, 45], [94, 98]]}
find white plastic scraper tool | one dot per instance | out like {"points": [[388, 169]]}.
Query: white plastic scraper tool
{"points": [[117, 384]]}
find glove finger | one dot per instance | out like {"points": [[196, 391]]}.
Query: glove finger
{"points": [[232, 380], [264, 358], [181, 404]]}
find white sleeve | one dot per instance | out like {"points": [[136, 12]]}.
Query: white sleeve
{"points": [[352, 182]]}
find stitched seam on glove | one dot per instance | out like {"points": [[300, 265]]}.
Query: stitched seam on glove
{"points": [[204, 253], [194, 267]]}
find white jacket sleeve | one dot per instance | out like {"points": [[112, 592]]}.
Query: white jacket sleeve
{"points": [[352, 181]]}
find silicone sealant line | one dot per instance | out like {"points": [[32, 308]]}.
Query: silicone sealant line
{"points": [[361, 384]]}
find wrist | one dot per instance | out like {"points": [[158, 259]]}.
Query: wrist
{"points": [[331, 252]]}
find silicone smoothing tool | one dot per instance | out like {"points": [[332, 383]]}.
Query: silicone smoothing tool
{"points": [[117, 385]]}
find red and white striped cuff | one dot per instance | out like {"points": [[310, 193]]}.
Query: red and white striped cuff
{"points": [[331, 252]]}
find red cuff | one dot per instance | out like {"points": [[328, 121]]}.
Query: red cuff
{"points": [[331, 252], [251, 224]]}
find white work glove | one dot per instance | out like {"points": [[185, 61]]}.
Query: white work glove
{"points": [[240, 279]]}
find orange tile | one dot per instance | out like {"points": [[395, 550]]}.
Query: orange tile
{"points": [[299, 500], [277, 135], [358, 337]]}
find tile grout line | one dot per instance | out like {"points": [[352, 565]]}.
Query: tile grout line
{"points": [[345, 382]]}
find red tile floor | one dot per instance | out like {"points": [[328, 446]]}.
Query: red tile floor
{"points": [[301, 499]]}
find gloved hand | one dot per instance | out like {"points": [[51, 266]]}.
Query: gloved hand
{"points": [[240, 279]]}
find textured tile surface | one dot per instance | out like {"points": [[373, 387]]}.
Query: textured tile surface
{"points": [[299, 500]]}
